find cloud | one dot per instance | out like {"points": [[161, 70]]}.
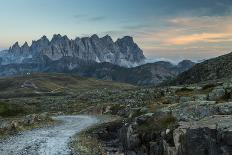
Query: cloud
{"points": [[97, 18], [85, 17], [79, 16], [136, 26], [181, 31], [204, 37]]}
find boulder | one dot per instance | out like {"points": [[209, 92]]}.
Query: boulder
{"points": [[143, 118], [216, 93], [225, 108], [29, 119], [193, 110], [211, 135], [186, 99], [200, 97]]}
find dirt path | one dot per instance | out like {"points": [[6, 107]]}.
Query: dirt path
{"points": [[47, 141]]}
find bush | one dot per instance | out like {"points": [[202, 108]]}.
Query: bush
{"points": [[9, 109]]}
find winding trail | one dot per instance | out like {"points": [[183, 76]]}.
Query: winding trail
{"points": [[47, 141]]}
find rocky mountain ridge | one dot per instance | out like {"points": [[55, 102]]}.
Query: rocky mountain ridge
{"points": [[123, 52]]}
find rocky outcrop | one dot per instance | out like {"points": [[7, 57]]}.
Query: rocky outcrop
{"points": [[211, 135], [123, 52]]}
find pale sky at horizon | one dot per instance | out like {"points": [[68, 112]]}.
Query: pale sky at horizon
{"points": [[170, 29]]}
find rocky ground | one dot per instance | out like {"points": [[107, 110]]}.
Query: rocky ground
{"points": [[193, 119], [167, 120]]}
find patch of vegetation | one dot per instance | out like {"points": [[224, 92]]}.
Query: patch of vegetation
{"points": [[158, 124], [88, 142], [185, 92], [14, 125], [115, 108], [154, 107], [224, 98], [12, 109], [87, 145], [208, 87]]}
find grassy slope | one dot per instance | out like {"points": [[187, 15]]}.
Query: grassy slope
{"points": [[51, 92]]}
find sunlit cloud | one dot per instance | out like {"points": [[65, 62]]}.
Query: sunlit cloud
{"points": [[204, 37]]}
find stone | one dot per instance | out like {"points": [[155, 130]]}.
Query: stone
{"points": [[193, 110], [211, 135], [200, 97], [186, 99], [225, 108], [216, 94], [143, 118], [29, 119]]}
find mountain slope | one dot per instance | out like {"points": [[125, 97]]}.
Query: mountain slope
{"points": [[148, 74], [212, 69], [52, 84]]}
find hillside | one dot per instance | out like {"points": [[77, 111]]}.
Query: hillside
{"points": [[52, 92], [144, 75], [212, 69]]}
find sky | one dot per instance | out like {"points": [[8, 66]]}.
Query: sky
{"points": [[164, 29]]}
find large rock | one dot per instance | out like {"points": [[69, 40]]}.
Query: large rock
{"points": [[211, 135], [196, 110], [192, 110], [224, 108], [216, 94]]}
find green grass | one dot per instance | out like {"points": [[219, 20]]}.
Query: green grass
{"points": [[12, 109], [89, 143], [54, 93], [185, 92]]}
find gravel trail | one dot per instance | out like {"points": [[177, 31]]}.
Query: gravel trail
{"points": [[47, 141]]}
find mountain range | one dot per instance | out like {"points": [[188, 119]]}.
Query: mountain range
{"points": [[123, 52], [96, 57]]}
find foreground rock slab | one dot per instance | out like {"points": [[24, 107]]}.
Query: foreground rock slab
{"points": [[211, 135]]}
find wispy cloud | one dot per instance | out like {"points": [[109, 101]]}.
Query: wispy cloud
{"points": [[97, 18], [136, 26], [85, 17], [182, 31], [203, 37]]}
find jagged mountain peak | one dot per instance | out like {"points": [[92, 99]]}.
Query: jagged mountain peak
{"points": [[25, 44], [95, 36], [127, 39], [123, 52]]}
